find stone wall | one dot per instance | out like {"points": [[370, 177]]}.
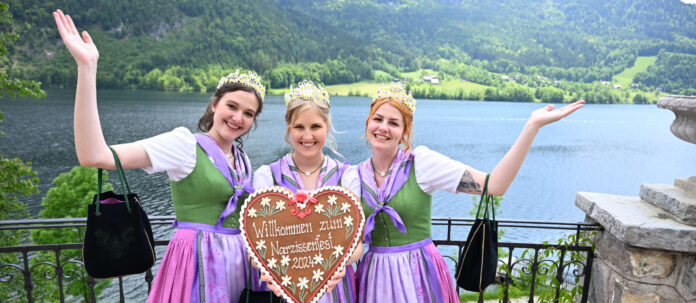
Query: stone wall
{"points": [[647, 250]]}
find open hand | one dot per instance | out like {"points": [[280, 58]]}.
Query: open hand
{"points": [[82, 47], [547, 114]]}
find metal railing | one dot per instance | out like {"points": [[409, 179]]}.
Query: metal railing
{"points": [[517, 265]]}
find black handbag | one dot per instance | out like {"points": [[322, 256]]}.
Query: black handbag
{"points": [[260, 296], [477, 265], [118, 239]]}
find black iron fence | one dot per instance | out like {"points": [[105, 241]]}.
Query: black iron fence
{"points": [[563, 269]]}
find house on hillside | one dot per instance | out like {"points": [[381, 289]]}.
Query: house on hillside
{"points": [[432, 79], [617, 86]]}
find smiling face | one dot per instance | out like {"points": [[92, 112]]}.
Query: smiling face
{"points": [[307, 133], [233, 115], [385, 128]]}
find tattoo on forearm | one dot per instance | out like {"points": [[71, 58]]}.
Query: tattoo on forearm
{"points": [[468, 184]]}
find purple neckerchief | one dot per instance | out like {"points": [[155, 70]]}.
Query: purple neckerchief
{"points": [[286, 174], [243, 169], [378, 197]]}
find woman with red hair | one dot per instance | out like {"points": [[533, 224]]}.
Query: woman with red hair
{"points": [[402, 263]]}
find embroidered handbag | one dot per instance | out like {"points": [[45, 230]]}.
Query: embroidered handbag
{"points": [[118, 239], [477, 265]]}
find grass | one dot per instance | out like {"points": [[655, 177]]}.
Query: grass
{"points": [[625, 78], [365, 88], [454, 85], [362, 88]]}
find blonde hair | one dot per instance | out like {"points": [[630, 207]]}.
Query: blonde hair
{"points": [[406, 114], [322, 108]]}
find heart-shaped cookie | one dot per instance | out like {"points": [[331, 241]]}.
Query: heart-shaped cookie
{"points": [[301, 240]]}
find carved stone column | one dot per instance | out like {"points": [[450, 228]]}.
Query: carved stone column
{"points": [[647, 251]]}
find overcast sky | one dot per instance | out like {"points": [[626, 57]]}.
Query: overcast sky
{"points": [[689, 1]]}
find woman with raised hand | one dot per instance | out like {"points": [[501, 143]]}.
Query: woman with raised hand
{"points": [[209, 176], [402, 263], [308, 128]]}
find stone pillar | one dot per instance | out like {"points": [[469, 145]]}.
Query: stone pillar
{"points": [[647, 251]]}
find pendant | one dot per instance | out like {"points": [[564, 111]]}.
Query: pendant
{"points": [[383, 174], [307, 173]]}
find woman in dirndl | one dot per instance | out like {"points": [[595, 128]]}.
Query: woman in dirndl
{"points": [[308, 128], [209, 175], [402, 264]]}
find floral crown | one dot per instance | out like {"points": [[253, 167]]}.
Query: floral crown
{"points": [[396, 91], [249, 79], [306, 90]]}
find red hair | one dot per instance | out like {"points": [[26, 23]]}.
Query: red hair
{"points": [[406, 114]]}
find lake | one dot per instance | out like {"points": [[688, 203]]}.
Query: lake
{"points": [[601, 148]]}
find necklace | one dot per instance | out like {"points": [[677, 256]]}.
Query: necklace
{"points": [[378, 172], [229, 156], [308, 173]]}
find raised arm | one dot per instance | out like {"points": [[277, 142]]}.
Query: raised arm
{"points": [[90, 145], [502, 175]]}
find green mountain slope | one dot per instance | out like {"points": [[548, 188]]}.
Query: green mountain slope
{"points": [[186, 45], [139, 36]]}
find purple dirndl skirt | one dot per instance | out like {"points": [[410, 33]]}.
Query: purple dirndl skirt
{"points": [[203, 266], [345, 291], [412, 273]]}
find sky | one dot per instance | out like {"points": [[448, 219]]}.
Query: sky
{"points": [[689, 1]]}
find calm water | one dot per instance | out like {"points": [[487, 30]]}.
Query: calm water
{"points": [[601, 148]]}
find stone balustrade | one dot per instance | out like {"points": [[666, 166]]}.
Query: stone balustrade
{"points": [[647, 251]]}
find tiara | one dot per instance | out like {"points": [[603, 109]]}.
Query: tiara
{"points": [[249, 79], [306, 90], [396, 91]]}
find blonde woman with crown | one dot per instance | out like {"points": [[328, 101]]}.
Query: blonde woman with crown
{"points": [[308, 129], [209, 176], [402, 263]]}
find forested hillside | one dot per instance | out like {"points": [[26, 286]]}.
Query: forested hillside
{"points": [[522, 50], [150, 44]]}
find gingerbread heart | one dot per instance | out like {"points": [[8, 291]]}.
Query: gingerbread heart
{"points": [[301, 240]]}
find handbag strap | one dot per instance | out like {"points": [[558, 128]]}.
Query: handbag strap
{"points": [[486, 198], [249, 283], [270, 293], [121, 176]]}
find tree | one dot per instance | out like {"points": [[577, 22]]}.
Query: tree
{"points": [[16, 177], [10, 85], [16, 180], [69, 197]]}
